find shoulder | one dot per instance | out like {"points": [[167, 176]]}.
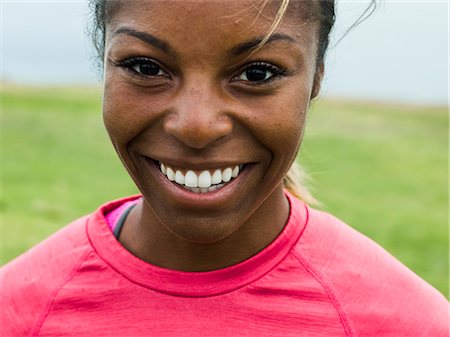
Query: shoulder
{"points": [[375, 292], [28, 283]]}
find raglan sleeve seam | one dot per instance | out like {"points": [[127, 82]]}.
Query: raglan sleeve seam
{"points": [[319, 277], [35, 332]]}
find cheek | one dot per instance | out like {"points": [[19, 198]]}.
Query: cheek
{"points": [[125, 113], [290, 115], [279, 121], [114, 111]]}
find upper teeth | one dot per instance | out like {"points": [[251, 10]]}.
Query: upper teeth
{"points": [[203, 179]]}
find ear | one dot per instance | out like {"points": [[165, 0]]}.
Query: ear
{"points": [[318, 76]]}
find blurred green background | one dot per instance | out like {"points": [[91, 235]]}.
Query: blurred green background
{"points": [[380, 168]]}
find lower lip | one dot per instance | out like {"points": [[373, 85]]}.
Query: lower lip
{"points": [[202, 200]]}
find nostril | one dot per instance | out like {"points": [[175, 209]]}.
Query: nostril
{"points": [[198, 131]]}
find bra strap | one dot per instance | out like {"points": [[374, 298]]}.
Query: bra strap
{"points": [[121, 221]]}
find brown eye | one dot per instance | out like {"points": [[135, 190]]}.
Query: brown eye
{"points": [[144, 66], [255, 74], [149, 69], [259, 72]]}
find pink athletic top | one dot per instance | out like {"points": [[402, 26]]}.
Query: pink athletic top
{"points": [[112, 218], [318, 278]]}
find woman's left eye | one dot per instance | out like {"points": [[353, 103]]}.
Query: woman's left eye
{"points": [[259, 73]]}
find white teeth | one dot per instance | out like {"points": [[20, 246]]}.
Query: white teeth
{"points": [[226, 175], [179, 178], [216, 177], [204, 189], [191, 180], [170, 174], [203, 183], [204, 179], [235, 171]]}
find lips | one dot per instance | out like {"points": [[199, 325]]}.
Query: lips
{"points": [[201, 181]]}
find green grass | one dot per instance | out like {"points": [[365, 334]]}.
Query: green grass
{"points": [[380, 168]]}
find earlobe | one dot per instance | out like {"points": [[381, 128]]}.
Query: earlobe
{"points": [[318, 76]]}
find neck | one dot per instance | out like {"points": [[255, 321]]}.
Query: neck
{"points": [[145, 237]]}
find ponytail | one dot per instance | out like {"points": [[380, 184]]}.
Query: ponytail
{"points": [[295, 183]]}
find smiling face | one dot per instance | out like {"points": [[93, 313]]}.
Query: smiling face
{"points": [[206, 125]]}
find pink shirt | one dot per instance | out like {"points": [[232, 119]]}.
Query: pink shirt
{"points": [[318, 278], [112, 218]]}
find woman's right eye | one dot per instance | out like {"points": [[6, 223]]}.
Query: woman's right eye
{"points": [[143, 66]]}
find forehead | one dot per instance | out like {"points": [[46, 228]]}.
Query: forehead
{"points": [[302, 9], [213, 21]]}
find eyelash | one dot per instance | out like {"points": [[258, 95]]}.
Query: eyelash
{"points": [[131, 63], [275, 70]]}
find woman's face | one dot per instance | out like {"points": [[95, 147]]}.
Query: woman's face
{"points": [[188, 97]]}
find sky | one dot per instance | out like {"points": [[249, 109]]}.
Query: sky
{"points": [[400, 54]]}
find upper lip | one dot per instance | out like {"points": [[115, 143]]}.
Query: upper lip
{"points": [[197, 164]]}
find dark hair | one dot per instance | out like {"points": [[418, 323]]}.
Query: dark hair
{"points": [[100, 14], [327, 20]]}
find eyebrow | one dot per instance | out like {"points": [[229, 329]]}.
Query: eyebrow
{"points": [[240, 49], [253, 44], [147, 38]]}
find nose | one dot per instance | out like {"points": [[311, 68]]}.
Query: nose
{"points": [[199, 117]]}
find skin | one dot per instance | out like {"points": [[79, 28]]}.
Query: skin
{"points": [[200, 110]]}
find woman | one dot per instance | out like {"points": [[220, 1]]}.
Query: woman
{"points": [[205, 104]]}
